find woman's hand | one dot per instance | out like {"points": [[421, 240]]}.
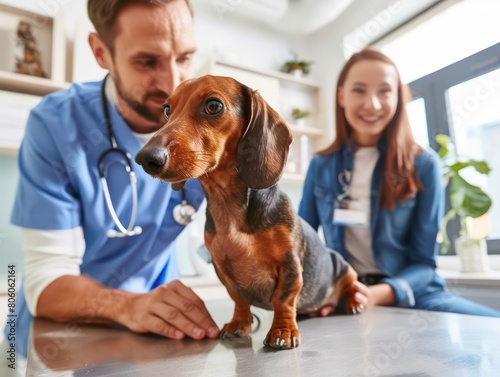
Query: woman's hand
{"points": [[380, 294], [360, 297]]}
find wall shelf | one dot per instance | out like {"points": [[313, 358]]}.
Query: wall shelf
{"points": [[19, 92], [16, 82], [309, 131], [286, 77], [15, 109], [292, 178]]}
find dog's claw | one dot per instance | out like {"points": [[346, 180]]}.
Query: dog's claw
{"points": [[281, 343], [237, 334], [266, 341]]}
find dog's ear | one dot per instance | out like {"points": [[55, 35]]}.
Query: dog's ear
{"points": [[263, 148]]}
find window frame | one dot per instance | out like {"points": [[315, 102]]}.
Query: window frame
{"points": [[433, 88]]}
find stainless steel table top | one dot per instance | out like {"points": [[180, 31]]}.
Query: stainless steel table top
{"points": [[379, 342]]}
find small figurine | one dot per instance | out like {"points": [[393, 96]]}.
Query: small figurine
{"points": [[30, 63]]}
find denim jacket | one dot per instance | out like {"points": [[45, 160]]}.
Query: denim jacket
{"points": [[403, 240]]}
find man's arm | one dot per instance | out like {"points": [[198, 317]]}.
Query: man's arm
{"points": [[172, 310], [55, 289]]}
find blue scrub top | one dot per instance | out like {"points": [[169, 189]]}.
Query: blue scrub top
{"points": [[60, 188]]}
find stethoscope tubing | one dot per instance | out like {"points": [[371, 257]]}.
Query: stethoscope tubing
{"points": [[131, 229], [183, 213]]}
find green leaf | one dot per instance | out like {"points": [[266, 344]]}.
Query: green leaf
{"points": [[480, 166], [467, 199], [443, 141], [298, 113]]}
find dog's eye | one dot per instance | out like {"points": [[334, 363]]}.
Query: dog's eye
{"points": [[213, 106], [166, 111]]}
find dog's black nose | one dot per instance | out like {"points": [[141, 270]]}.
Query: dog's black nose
{"points": [[152, 159]]}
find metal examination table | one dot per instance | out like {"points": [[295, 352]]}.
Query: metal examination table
{"points": [[379, 342]]}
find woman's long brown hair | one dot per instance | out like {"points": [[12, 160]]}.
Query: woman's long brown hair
{"points": [[399, 178]]}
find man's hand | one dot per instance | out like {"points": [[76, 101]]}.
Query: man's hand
{"points": [[172, 310]]}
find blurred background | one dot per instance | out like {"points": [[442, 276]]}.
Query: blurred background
{"points": [[447, 51]]}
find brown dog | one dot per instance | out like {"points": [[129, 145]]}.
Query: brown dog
{"points": [[227, 136]]}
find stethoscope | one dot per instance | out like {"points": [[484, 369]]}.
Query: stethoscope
{"points": [[183, 212]]}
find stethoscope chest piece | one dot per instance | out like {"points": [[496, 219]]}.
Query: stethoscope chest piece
{"points": [[184, 213]]}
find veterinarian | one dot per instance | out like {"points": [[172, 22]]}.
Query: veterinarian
{"points": [[98, 233], [378, 195]]}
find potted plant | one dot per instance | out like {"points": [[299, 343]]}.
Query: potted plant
{"points": [[299, 115], [296, 66], [467, 202]]}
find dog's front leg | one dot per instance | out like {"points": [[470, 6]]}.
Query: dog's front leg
{"points": [[241, 324], [284, 332]]}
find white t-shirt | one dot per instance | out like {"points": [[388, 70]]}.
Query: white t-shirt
{"points": [[358, 238]]}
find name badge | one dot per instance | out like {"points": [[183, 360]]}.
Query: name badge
{"points": [[349, 213]]}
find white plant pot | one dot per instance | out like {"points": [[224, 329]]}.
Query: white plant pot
{"points": [[300, 123], [297, 73], [473, 255]]}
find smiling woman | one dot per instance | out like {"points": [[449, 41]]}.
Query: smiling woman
{"points": [[387, 193]]}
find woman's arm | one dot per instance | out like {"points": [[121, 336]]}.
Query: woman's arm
{"points": [[422, 245], [307, 207]]}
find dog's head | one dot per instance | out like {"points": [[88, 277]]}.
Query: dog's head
{"points": [[214, 124]]}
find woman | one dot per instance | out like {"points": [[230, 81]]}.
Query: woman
{"points": [[378, 195]]}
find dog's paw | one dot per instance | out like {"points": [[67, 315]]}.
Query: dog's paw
{"points": [[282, 338], [235, 329]]}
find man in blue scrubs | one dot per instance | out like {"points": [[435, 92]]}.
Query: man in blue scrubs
{"points": [[73, 270]]}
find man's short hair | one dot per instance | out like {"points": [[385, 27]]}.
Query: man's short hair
{"points": [[103, 13]]}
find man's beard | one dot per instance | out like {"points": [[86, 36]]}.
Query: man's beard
{"points": [[140, 107]]}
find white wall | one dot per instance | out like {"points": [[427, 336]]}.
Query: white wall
{"points": [[228, 36]]}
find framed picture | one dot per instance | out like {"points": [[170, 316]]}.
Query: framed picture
{"points": [[32, 44]]}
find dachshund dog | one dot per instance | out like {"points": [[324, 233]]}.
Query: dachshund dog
{"points": [[224, 133]]}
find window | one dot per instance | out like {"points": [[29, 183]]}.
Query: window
{"points": [[447, 33], [418, 121], [450, 58], [474, 114]]}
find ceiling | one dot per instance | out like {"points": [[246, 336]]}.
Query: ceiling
{"points": [[288, 16], [304, 17]]}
